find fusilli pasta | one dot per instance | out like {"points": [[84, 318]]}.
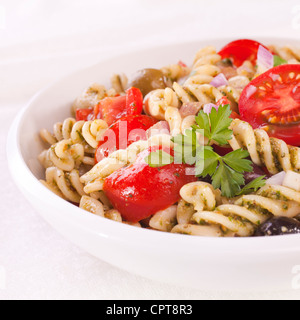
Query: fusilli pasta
{"points": [[272, 153], [90, 132], [92, 96], [65, 184]]}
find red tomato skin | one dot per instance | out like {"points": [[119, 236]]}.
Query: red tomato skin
{"points": [[134, 122], [111, 109], [235, 115], [83, 114], [182, 64], [134, 101], [241, 50], [140, 191], [223, 102], [252, 105]]}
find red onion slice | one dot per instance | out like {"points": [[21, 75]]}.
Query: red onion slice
{"points": [[265, 58], [161, 127], [277, 180], [208, 107], [219, 81]]}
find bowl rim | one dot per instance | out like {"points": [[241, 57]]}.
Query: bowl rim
{"points": [[24, 178]]}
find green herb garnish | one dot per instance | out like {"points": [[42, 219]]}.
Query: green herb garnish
{"points": [[226, 172], [215, 125], [253, 186], [278, 61], [159, 159]]}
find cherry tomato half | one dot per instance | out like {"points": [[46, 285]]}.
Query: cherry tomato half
{"points": [[84, 114], [113, 109], [225, 101], [140, 191], [272, 101], [123, 133], [134, 101], [241, 50]]}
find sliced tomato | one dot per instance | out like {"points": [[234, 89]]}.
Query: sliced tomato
{"points": [[84, 114], [241, 50], [134, 101], [123, 133], [272, 101], [111, 109], [139, 191]]}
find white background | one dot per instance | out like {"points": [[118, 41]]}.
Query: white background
{"points": [[42, 40]]}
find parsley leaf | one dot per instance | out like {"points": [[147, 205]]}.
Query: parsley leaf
{"points": [[253, 186], [216, 124], [227, 172], [237, 161], [278, 61], [158, 159], [207, 165], [227, 180]]}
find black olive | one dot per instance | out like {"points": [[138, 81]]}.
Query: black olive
{"points": [[278, 226]]}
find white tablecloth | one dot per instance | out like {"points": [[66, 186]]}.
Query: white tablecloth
{"points": [[42, 40]]}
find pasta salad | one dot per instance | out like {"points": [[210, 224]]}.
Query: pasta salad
{"points": [[208, 149]]}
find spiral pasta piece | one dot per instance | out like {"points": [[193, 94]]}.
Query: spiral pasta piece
{"points": [[64, 155], [61, 131], [205, 67], [199, 231], [234, 89], [272, 153], [64, 184], [92, 96], [200, 194], [174, 120], [159, 101], [185, 212], [89, 132], [92, 205], [96, 207], [119, 83], [174, 72], [288, 53], [164, 220]]}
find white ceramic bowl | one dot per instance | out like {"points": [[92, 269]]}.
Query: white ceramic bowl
{"points": [[203, 263]]}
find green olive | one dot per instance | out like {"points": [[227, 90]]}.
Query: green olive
{"points": [[148, 80]]}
